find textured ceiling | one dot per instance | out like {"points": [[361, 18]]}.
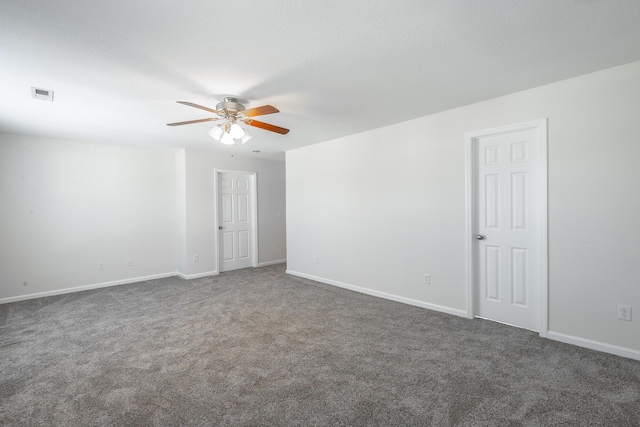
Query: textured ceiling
{"points": [[333, 68]]}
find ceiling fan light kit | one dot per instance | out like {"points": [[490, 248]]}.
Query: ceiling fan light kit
{"points": [[229, 134], [231, 111]]}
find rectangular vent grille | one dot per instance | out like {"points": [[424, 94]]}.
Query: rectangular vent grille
{"points": [[42, 94]]}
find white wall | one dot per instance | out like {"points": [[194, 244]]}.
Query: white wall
{"points": [[181, 205], [200, 209], [64, 206], [381, 208]]}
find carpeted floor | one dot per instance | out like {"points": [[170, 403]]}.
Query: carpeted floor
{"points": [[256, 347]]}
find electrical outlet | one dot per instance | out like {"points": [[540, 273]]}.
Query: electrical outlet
{"points": [[100, 265], [427, 279], [196, 258], [624, 312]]}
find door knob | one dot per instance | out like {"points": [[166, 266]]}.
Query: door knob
{"points": [[479, 237], [219, 227]]}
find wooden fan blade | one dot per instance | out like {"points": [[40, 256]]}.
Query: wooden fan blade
{"points": [[267, 126], [260, 111], [191, 104], [210, 119]]}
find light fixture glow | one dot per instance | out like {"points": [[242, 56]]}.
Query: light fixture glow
{"points": [[236, 131], [216, 132], [229, 133], [227, 139]]}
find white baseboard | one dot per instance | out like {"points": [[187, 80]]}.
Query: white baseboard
{"points": [[568, 339], [556, 336], [264, 264], [197, 275], [595, 345], [379, 294], [85, 287]]}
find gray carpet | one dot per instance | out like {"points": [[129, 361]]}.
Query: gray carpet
{"points": [[256, 347]]}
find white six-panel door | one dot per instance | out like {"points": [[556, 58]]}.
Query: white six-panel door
{"points": [[508, 223], [235, 221]]}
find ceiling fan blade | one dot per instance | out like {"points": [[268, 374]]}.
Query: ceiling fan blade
{"points": [[191, 104], [267, 126], [210, 119], [260, 111]]}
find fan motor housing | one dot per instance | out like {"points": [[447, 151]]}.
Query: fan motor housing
{"points": [[230, 104]]}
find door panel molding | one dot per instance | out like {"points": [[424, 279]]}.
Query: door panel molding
{"points": [[472, 206]]}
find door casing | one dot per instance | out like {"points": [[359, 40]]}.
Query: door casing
{"points": [[254, 213], [471, 139]]}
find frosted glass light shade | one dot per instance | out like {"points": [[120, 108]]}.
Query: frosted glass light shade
{"points": [[227, 139], [216, 132], [236, 131], [232, 134], [247, 136]]}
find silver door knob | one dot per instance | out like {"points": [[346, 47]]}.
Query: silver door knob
{"points": [[479, 237]]}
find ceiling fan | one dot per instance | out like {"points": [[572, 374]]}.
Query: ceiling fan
{"points": [[232, 111]]}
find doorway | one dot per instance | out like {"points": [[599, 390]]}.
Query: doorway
{"points": [[507, 225], [236, 213]]}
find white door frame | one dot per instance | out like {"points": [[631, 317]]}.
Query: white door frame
{"points": [[471, 140], [254, 213]]}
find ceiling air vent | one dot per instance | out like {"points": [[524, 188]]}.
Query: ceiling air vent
{"points": [[42, 94]]}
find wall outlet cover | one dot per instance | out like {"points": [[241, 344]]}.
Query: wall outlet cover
{"points": [[624, 312]]}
